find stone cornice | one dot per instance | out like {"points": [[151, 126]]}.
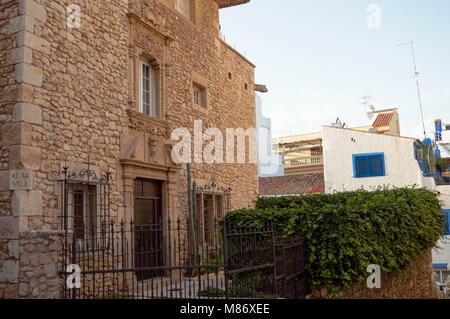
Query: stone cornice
{"points": [[134, 17], [134, 115], [147, 165]]}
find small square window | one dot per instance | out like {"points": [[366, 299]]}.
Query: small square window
{"points": [[199, 95], [368, 165], [246, 86], [230, 76]]}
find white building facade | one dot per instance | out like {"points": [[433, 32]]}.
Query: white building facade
{"points": [[355, 159]]}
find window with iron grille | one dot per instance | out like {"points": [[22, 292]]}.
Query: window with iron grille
{"points": [[210, 207], [85, 208], [368, 165]]}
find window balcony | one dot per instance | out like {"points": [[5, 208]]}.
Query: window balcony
{"points": [[302, 162]]}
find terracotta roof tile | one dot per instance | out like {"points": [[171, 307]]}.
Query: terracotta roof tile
{"points": [[290, 185], [383, 119]]}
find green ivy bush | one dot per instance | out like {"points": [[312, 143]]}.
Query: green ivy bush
{"points": [[348, 231]]}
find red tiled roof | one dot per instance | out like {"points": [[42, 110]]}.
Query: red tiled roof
{"points": [[291, 185], [383, 119]]}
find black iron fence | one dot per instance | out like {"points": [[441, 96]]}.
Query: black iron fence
{"points": [[166, 260]]}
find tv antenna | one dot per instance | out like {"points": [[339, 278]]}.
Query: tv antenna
{"points": [[416, 75]]}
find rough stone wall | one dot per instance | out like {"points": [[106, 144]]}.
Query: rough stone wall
{"points": [[40, 259], [64, 94], [9, 94], [416, 282], [82, 97], [79, 96], [230, 105]]}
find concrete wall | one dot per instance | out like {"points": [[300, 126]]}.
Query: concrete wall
{"points": [[340, 144]]}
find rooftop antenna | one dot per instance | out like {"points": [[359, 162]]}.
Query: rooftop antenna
{"points": [[416, 75]]}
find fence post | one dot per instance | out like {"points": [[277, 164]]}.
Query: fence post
{"points": [[274, 260], [74, 258], [225, 256]]}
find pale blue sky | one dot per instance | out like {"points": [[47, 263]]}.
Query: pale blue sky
{"points": [[318, 58]]}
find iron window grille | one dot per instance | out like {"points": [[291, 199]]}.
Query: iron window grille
{"points": [[211, 203], [85, 207]]}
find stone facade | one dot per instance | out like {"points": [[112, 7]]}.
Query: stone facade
{"points": [[69, 94], [418, 281]]}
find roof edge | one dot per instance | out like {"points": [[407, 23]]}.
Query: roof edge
{"points": [[230, 3]]}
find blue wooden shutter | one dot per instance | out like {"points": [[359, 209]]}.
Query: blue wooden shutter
{"points": [[362, 166], [367, 165], [447, 222]]}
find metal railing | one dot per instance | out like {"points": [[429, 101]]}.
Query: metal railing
{"points": [[148, 261]]}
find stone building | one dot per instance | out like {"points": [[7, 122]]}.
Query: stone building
{"points": [[102, 85]]}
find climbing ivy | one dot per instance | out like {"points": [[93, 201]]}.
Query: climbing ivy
{"points": [[348, 231]]}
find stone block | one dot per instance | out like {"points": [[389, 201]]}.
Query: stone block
{"points": [[50, 270], [10, 272], [48, 259], [20, 179], [9, 227], [28, 39], [23, 289], [28, 156], [21, 23], [19, 55], [23, 224], [27, 73], [33, 9], [13, 248], [27, 203], [11, 134], [27, 112]]}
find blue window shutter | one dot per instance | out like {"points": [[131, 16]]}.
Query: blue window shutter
{"points": [[362, 166], [367, 165], [447, 222]]}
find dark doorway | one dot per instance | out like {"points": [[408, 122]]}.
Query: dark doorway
{"points": [[149, 229]]}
